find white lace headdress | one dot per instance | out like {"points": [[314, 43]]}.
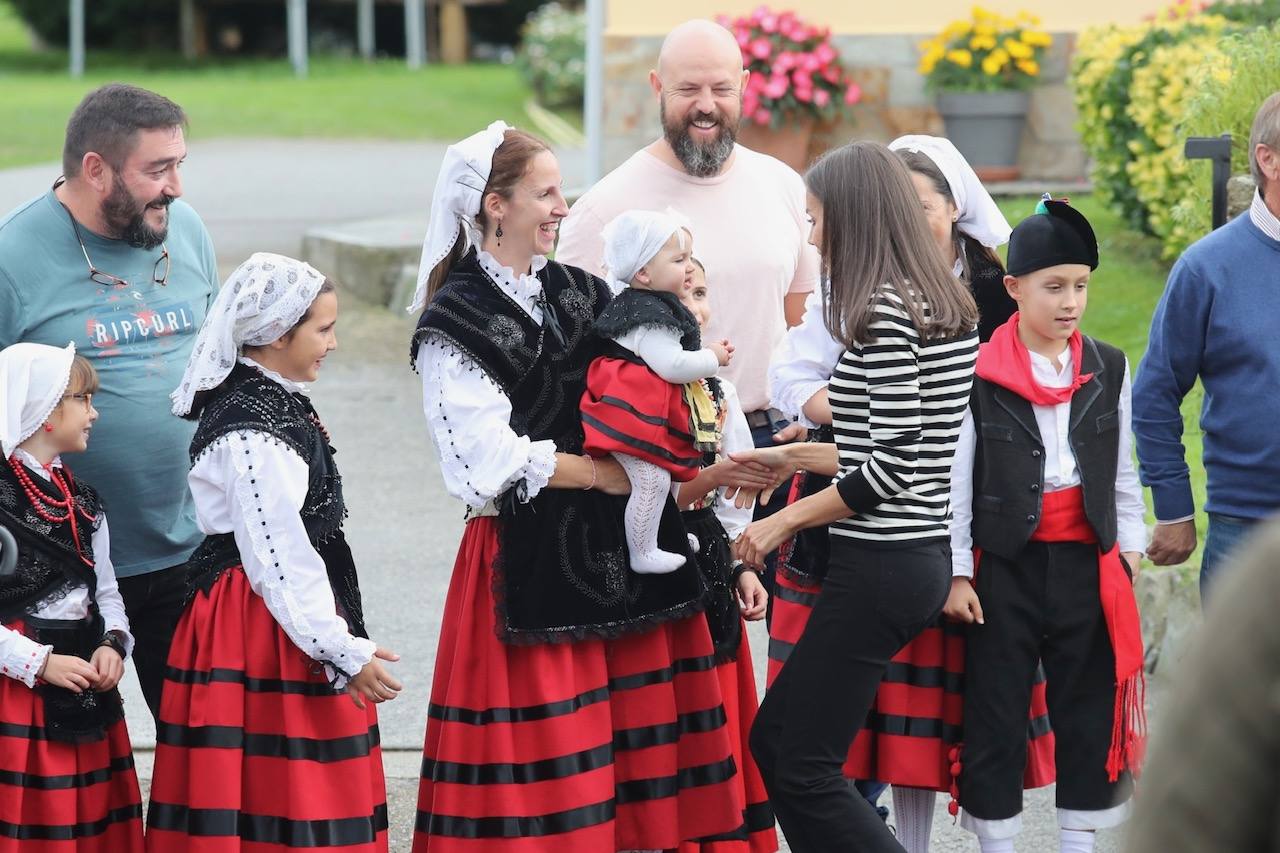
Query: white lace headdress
{"points": [[265, 297], [979, 217], [33, 378], [632, 238], [456, 200]]}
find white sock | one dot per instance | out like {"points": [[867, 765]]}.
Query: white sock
{"points": [[1076, 841], [913, 817], [650, 486], [995, 845]]}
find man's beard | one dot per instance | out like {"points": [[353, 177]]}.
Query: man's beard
{"points": [[126, 218], [701, 160]]}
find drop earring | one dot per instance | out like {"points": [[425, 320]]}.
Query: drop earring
{"points": [[48, 427], [498, 233]]}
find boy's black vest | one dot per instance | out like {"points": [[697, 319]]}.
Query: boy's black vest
{"points": [[562, 570], [1008, 472], [248, 401]]}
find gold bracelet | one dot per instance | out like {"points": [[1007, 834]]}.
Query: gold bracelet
{"points": [[592, 460]]}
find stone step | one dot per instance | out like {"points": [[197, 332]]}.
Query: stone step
{"points": [[368, 258]]}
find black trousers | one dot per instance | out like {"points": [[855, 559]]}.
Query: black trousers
{"points": [[1043, 607], [874, 601], [153, 602]]}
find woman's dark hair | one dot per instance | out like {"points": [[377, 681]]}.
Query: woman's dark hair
{"points": [[511, 162], [874, 235], [966, 247]]}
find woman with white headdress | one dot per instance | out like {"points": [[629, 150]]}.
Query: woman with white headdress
{"points": [[66, 766], [267, 737], [575, 707], [917, 714]]}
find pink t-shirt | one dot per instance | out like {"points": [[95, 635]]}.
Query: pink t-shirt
{"points": [[749, 229]]}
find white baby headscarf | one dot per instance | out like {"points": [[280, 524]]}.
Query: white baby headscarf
{"points": [[631, 239], [33, 378], [456, 200], [263, 299], [979, 217]]}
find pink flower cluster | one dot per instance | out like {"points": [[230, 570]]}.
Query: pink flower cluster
{"points": [[794, 68]]}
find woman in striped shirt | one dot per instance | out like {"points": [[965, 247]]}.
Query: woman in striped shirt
{"points": [[898, 397]]}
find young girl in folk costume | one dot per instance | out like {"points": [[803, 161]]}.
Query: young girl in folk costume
{"points": [[717, 512], [575, 707], [66, 767], [897, 398], [645, 401], [1046, 496], [917, 715], [268, 737]]}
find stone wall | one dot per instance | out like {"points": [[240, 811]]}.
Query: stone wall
{"points": [[894, 101]]}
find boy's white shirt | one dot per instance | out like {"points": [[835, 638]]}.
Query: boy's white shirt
{"points": [[1061, 471]]}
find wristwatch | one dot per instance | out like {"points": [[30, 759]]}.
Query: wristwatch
{"points": [[114, 640]]}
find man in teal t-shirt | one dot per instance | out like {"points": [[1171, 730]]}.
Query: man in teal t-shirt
{"points": [[110, 260]]}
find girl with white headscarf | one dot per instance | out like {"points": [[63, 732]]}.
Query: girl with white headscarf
{"points": [[254, 717], [645, 403], [64, 635], [552, 653]]}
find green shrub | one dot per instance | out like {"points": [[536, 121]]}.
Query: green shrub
{"points": [[1228, 107], [1262, 13], [1115, 127], [552, 55]]}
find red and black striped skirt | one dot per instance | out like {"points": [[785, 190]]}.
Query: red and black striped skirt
{"points": [[918, 714], [595, 745], [757, 833], [629, 409], [58, 797], [254, 750]]}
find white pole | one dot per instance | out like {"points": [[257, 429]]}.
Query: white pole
{"points": [[415, 33], [593, 91], [364, 28], [297, 26], [187, 28], [76, 36]]}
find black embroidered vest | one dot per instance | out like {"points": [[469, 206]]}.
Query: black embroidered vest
{"points": [[1008, 471], [632, 309], [50, 565], [248, 401], [48, 560], [562, 571]]}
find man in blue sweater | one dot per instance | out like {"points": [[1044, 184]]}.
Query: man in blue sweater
{"points": [[1216, 322]]}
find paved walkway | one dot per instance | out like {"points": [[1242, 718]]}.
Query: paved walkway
{"points": [[404, 529]]}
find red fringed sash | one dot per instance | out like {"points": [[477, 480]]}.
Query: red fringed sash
{"points": [[1064, 520]]}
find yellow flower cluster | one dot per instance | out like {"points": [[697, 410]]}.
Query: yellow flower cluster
{"points": [[1132, 85], [988, 45]]}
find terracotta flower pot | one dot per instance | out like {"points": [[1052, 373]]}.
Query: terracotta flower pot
{"points": [[986, 127], [789, 143]]}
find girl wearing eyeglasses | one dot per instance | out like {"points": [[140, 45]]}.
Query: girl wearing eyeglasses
{"points": [[64, 748]]}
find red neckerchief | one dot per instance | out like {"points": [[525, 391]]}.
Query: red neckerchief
{"points": [[1005, 361]]}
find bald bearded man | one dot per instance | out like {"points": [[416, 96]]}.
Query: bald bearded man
{"points": [[747, 209]]}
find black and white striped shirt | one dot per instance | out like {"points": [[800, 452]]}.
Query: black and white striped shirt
{"points": [[897, 404]]}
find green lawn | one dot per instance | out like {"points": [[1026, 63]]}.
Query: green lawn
{"points": [[341, 97], [1122, 297]]}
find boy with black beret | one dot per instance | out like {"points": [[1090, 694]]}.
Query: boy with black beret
{"points": [[1047, 533]]}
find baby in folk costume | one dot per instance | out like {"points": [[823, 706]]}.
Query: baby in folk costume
{"points": [[645, 402], [271, 664], [1046, 537], [65, 754]]}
